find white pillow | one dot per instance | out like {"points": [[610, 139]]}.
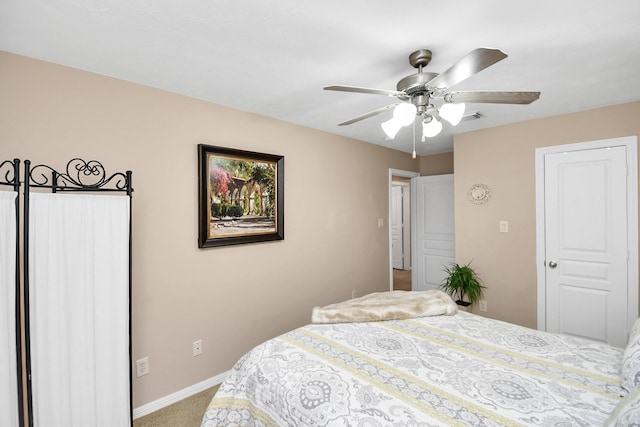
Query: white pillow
{"points": [[631, 360], [627, 413]]}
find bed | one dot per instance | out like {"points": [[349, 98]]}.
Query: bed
{"points": [[454, 368]]}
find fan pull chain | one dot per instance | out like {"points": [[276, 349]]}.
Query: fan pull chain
{"points": [[413, 154]]}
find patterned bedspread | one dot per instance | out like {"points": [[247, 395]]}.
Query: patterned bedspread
{"points": [[443, 370]]}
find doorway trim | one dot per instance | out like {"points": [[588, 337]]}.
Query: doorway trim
{"points": [[630, 143], [404, 174]]}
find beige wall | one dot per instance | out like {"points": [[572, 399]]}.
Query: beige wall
{"points": [[504, 159], [233, 297], [437, 164]]}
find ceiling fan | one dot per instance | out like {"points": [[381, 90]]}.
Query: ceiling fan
{"points": [[418, 90]]}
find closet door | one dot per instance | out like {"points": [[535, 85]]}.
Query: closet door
{"points": [[586, 241], [433, 225], [79, 310]]}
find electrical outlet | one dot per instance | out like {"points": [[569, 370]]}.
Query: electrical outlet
{"points": [[482, 305], [197, 348], [353, 294], [504, 226], [142, 366]]}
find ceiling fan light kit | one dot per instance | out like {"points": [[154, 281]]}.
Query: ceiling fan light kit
{"points": [[417, 91], [404, 114], [431, 128], [391, 127], [452, 113]]}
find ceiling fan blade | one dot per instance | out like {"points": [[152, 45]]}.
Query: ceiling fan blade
{"points": [[357, 89], [367, 115], [492, 97], [474, 62]]}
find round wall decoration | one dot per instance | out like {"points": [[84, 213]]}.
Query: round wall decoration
{"points": [[479, 194]]}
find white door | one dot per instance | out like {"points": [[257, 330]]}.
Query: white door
{"points": [[434, 230], [586, 244], [397, 243], [400, 226]]}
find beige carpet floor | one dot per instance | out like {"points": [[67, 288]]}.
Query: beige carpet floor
{"points": [[186, 413], [401, 280]]}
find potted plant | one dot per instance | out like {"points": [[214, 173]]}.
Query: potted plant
{"points": [[463, 281]]}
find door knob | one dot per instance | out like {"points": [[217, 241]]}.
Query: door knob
{"points": [[552, 264]]}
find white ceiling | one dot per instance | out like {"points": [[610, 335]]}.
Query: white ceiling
{"points": [[273, 57]]}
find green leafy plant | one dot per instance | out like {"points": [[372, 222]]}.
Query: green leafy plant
{"points": [[463, 281]]}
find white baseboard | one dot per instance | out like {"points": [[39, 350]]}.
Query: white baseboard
{"points": [[179, 395]]}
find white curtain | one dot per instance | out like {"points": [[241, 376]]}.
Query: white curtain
{"points": [[8, 374], [79, 309]]}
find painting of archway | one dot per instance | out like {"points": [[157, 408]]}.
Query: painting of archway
{"points": [[241, 196]]}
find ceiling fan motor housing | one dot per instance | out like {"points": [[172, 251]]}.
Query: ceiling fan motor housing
{"points": [[416, 90], [415, 86], [415, 83]]}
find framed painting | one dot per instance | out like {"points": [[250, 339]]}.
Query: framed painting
{"points": [[241, 196]]}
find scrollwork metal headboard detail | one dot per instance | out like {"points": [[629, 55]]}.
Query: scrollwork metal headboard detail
{"points": [[80, 175], [9, 172]]}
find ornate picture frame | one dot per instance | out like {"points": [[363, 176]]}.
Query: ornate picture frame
{"points": [[241, 196]]}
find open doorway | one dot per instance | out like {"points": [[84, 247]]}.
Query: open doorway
{"points": [[400, 229]]}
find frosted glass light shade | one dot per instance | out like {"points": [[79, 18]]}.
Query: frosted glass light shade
{"points": [[432, 128], [404, 113], [391, 127], [452, 113]]}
